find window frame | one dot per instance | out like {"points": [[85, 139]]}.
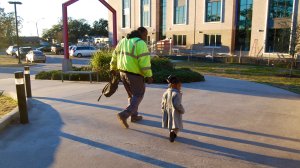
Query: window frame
{"points": [[293, 20], [124, 27], [141, 13], [215, 41], [186, 13], [221, 13], [181, 37]]}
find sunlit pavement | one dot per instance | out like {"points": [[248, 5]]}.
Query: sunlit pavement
{"points": [[228, 123]]}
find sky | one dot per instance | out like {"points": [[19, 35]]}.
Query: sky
{"points": [[48, 12]]}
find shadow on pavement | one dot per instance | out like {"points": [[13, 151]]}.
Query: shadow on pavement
{"points": [[230, 129], [33, 144], [122, 152], [81, 103], [157, 124], [233, 153], [225, 138]]}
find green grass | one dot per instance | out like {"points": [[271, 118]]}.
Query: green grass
{"points": [[7, 60], [7, 104], [274, 76]]}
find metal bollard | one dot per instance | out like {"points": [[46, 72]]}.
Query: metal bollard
{"points": [[27, 81], [19, 80]]}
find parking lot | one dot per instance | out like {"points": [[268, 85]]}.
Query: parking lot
{"points": [[54, 62]]}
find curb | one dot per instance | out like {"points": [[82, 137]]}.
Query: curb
{"points": [[12, 115]]}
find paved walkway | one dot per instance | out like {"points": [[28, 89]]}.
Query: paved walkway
{"points": [[228, 123]]}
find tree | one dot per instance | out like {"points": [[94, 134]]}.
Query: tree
{"points": [[53, 33], [8, 28], [100, 28], [76, 29]]}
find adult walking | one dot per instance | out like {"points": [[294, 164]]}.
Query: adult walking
{"points": [[132, 59]]}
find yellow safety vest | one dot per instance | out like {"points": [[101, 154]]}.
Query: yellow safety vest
{"points": [[132, 55]]}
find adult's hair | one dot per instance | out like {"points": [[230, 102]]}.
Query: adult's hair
{"points": [[134, 34], [142, 29]]}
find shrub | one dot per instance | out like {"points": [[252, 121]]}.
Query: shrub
{"points": [[55, 75], [43, 75], [159, 64], [101, 62], [186, 75], [161, 68]]}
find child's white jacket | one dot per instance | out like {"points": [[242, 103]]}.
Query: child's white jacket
{"points": [[172, 109]]}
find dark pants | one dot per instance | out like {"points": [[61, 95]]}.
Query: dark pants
{"points": [[135, 87]]}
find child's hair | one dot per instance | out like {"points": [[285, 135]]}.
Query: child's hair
{"points": [[173, 80]]}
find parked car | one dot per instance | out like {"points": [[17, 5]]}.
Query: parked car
{"points": [[82, 51], [57, 49], [11, 50], [44, 48], [71, 47], [23, 52], [35, 55]]}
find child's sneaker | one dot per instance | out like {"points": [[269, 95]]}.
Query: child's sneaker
{"points": [[136, 118], [172, 136]]}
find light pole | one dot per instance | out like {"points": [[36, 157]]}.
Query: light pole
{"points": [[15, 3], [36, 25]]}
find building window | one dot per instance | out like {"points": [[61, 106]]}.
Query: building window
{"points": [[179, 39], [213, 10], [212, 40], [145, 13], [279, 26], [244, 24], [162, 19], [125, 13], [280, 8], [180, 11]]}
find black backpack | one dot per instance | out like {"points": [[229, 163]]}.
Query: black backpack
{"points": [[111, 87]]}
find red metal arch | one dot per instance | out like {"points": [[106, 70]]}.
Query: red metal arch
{"points": [[65, 24]]}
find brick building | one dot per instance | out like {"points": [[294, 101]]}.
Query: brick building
{"points": [[254, 27]]}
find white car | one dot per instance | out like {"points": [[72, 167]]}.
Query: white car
{"points": [[82, 51], [35, 55], [11, 50]]}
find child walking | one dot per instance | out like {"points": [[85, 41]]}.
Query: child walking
{"points": [[172, 108]]}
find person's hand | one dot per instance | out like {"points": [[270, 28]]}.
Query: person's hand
{"points": [[149, 80]]}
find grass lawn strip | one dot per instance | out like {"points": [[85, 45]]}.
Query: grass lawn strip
{"points": [[262, 74], [7, 104], [7, 60]]}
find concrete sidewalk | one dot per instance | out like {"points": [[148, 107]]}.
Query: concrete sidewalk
{"points": [[228, 123]]}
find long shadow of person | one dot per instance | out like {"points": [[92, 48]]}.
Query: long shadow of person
{"points": [[36, 144], [33, 144], [233, 153]]}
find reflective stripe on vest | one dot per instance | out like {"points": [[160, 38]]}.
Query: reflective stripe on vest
{"points": [[146, 68], [134, 45], [132, 51], [142, 55]]}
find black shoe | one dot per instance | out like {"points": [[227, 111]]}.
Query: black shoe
{"points": [[122, 120], [136, 118], [175, 135], [172, 136]]}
